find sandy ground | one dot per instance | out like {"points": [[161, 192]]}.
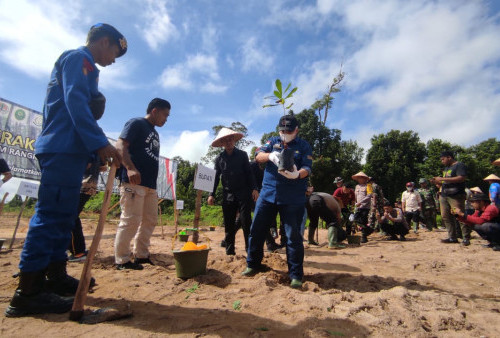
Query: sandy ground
{"points": [[418, 288]]}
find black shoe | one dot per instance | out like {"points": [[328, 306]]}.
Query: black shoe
{"points": [[496, 247], [312, 243], [364, 239], [489, 245], [223, 244], [43, 302], [466, 242], [143, 261], [449, 241], [402, 238], [129, 266]]}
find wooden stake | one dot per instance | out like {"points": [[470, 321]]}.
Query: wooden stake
{"points": [[176, 216], [197, 211], [83, 287], [3, 202], [17, 224]]}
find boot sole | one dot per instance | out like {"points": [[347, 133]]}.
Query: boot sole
{"points": [[13, 312]]}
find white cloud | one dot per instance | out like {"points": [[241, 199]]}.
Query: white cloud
{"points": [[190, 145], [34, 34], [199, 69], [255, 56], [158, 28], [431, 67]]}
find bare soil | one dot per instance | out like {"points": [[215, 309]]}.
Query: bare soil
{"points": [[417, 288]]}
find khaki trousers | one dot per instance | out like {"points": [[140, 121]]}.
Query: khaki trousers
{"points": [[446, 204], [137, 220]]}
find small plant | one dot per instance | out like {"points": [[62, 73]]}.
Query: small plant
{"points": [[192, 289], [237, 305], [281, 96]]}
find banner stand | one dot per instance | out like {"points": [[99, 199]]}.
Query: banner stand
{"points": [[17, 223]]}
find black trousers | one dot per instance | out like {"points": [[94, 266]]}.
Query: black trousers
{"points": [[229, 211], [489, 232], [392, 230], [77, 244]]}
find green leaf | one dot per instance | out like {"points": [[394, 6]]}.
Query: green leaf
{"points": [[291, 93], [237, 305], [262, 328], [269, 105], [334, 333], [277, 94], [278, 86], [291, 104], [287, 87]]}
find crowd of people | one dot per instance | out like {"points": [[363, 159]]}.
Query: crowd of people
{"points": [[72, 147]]}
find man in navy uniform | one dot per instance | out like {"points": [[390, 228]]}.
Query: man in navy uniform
{"points": [[284, 192], [70, 135]]}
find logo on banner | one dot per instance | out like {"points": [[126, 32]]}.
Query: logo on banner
{"points": [[20, 114], [38, 120]]}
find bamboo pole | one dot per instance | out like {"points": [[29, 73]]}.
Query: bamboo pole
{"points": [[18, 220]]}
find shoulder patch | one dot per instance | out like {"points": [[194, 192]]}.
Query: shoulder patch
{"points": [[87, 66]]}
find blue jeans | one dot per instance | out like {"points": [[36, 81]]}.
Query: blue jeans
{"points": [[50, 227], [291, 218]]}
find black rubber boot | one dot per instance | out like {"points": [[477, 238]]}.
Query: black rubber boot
{"points": [[30, 298], [59, 282]]}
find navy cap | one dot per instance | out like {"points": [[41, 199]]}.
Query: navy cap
{"points": [[288, 123], [115, 34]]}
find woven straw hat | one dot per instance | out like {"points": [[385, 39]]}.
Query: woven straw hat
{"points": [[491, 177], [477, 190], [224, 134], [496, 162], [360, 174]]}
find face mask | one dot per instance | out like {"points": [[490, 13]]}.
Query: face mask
{"points": [[287, 138], [409, 189]]}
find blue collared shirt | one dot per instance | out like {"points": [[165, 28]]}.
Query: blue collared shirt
{"points": [[278, 189], [68, 124]]}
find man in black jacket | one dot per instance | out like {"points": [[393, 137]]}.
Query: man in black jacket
{"points": [[232, 168]]}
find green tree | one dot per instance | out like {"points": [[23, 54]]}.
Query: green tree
{"points": [[478, 160], [393, 160]]}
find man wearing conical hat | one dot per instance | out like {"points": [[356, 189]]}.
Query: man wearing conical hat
{"points": [[494, 190], [363, 197], [232, 168]]}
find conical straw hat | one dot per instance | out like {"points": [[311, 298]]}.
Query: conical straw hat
{"points": [[225, 133], [496, 162], [476, 190], [360, 174], [491, 177]]}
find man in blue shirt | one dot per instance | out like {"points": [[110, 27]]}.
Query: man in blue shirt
{"points": [[284, 192], [69, 137]]}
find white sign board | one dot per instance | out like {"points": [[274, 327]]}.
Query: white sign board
{"points": [[204, 178], [180, 205], [29, 189]]}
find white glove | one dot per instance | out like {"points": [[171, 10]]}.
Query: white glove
{"points": [[291, 175], [273, 157]]}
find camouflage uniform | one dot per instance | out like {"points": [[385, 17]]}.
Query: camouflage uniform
{"points": [[377, 205], [428, 207]]}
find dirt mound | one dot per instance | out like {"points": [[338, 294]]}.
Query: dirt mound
{"points": [[416, 288]]}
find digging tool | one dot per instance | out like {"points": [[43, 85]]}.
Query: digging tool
{"points": [[77, 313]]}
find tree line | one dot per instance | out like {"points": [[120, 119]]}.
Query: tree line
{"points": [[393, 159]]}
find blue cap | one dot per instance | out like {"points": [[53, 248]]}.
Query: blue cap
{"points": [[115, 34]]}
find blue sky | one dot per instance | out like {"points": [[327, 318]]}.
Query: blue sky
{"points": [[428, 66]]}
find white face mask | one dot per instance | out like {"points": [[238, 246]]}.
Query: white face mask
{"points": [[409, 189], [287, 138]]}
